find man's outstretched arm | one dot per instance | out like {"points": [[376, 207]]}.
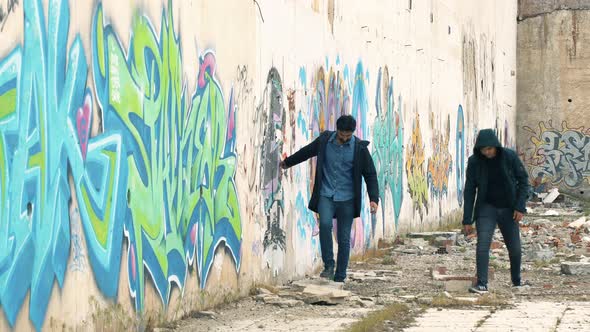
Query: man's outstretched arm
{"points": [[305, 153]]}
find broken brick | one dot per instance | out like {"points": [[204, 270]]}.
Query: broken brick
{"points": [[576, 238], [441, 269], [496, 245], [547, 286]]}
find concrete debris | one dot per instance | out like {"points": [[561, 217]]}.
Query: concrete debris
{"points": [[319, 291], [575, 268], [370, 276], [204, 314], [551, 213], [540, 254], [431, 236], [300, 285], [365, 302], [315, 294], [443, 242], [459, 284], [263, 291], [466, 299], [556, 260], [582, 222], [551, 196], [282, 302]]}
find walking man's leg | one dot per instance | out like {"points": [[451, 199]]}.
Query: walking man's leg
{"points": [[511, 234], [344, 214], [326, 212], [486, 225]]}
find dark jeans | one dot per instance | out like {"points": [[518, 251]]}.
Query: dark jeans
{"points": [[487, 219], [343, 212]]}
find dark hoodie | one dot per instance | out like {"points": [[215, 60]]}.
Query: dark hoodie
{"points": [[510, 179], [362, 167]]}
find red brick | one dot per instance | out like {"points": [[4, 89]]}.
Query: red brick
{"points": [[547, 286], [496, 245], [442, 270], [576, 238]]}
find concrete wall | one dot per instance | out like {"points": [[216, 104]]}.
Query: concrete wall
{"points": [[553, 101], [139, 143]]}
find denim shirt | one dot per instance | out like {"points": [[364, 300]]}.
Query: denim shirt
{"points": [[337, 170]]}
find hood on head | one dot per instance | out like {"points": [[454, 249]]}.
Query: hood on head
{"points": [[485, 138]]}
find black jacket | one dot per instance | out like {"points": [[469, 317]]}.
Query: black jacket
{"points": [[477, 177], [363, 166]]}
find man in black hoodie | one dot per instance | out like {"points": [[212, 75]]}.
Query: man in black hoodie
{"points": [[500, 181], [342, 159]]}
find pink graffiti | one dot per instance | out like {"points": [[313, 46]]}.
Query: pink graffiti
{"points": [[133, 267], [231, 117], [83, 121], [208, 67]]}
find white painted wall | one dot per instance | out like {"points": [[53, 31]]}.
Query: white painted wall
{"points": [[435, 65]]}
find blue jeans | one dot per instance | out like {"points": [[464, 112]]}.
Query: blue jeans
{"points": [[487, 219], [343, 212]]}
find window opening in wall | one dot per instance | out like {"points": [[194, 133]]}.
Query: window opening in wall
{"points": [[449, 29], [410, 4], [569, 100]]}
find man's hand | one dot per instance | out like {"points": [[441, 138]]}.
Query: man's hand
{"points": [[517, 216], [468, 229], [283, 164], [374, 207]]}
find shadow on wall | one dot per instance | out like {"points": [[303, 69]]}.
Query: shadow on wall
{"points": [[161, 156]]}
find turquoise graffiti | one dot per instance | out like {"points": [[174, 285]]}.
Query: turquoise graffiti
{"points": [[388, 143], [329, 99], [360, 106], [44, 125], [160, 173], [180, 154], [460, 154]]}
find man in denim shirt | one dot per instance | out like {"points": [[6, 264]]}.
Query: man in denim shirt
{"points": [[342, 161]]}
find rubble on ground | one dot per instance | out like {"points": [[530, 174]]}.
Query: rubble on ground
{"points": [[427, 268]]}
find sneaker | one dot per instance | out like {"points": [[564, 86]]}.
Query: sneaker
{"points": [[523, 284], [328, 273], [339, 280], [479, 289]]}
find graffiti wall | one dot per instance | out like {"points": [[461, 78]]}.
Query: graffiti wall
{"points": [[553, 117], [559, 156], [140, 144]]}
